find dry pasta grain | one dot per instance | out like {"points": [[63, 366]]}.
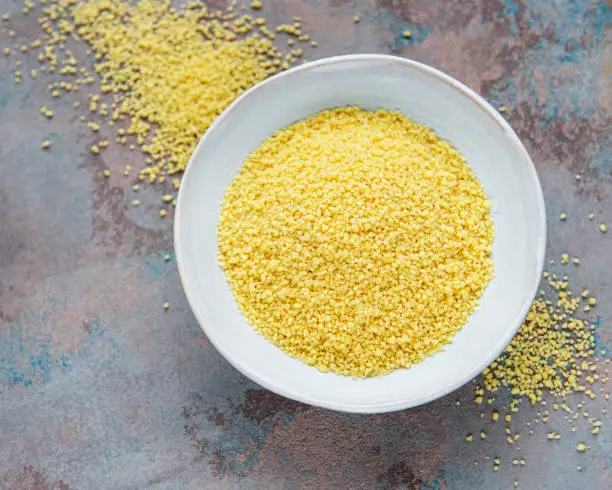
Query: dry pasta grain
{"points": [[167, 71], [356, 241]]}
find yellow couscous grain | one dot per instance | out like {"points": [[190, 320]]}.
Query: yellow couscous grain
{"points": [[170, 71], [551, 352], [356, 241]]}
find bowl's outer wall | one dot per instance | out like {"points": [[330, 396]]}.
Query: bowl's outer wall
{"points": [[427, 96]]}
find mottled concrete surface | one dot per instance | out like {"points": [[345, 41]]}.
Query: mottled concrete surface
{"points": [[100, 388]]}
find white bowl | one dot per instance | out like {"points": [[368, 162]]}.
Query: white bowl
{"points": [[427, 96]]}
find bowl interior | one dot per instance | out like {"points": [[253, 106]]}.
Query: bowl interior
{"points": [[426, 96]]}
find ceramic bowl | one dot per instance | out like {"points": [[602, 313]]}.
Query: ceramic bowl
{"points": [[425, 95]]}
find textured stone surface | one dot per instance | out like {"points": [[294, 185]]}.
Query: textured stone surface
{"points": [[100, 388]]}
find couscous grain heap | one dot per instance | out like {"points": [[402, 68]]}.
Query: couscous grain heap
{"points": [[168, 72], [552, 362], [356, 241], [553, 351]]}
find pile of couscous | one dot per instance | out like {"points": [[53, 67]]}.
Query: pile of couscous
{"points": [[356, 241], [164, 73]]}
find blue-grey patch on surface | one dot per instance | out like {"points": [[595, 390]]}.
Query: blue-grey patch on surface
{"points": [[559, 77], [418, 32], [605, 158], [511, 9], [156, 266], [27, 358]]}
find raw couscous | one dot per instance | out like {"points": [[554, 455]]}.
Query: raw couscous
{"points": [[356, 241]]}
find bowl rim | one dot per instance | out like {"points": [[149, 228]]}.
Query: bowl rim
{"points": [[454, 383]]}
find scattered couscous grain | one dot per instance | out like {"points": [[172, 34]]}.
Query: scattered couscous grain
{"points": [[580, 447], [106, 172], [208, 58], [407, 34], [46, 145], [603, 228], [563, 216], [356, 241], [552, 351], [356, 19]]}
